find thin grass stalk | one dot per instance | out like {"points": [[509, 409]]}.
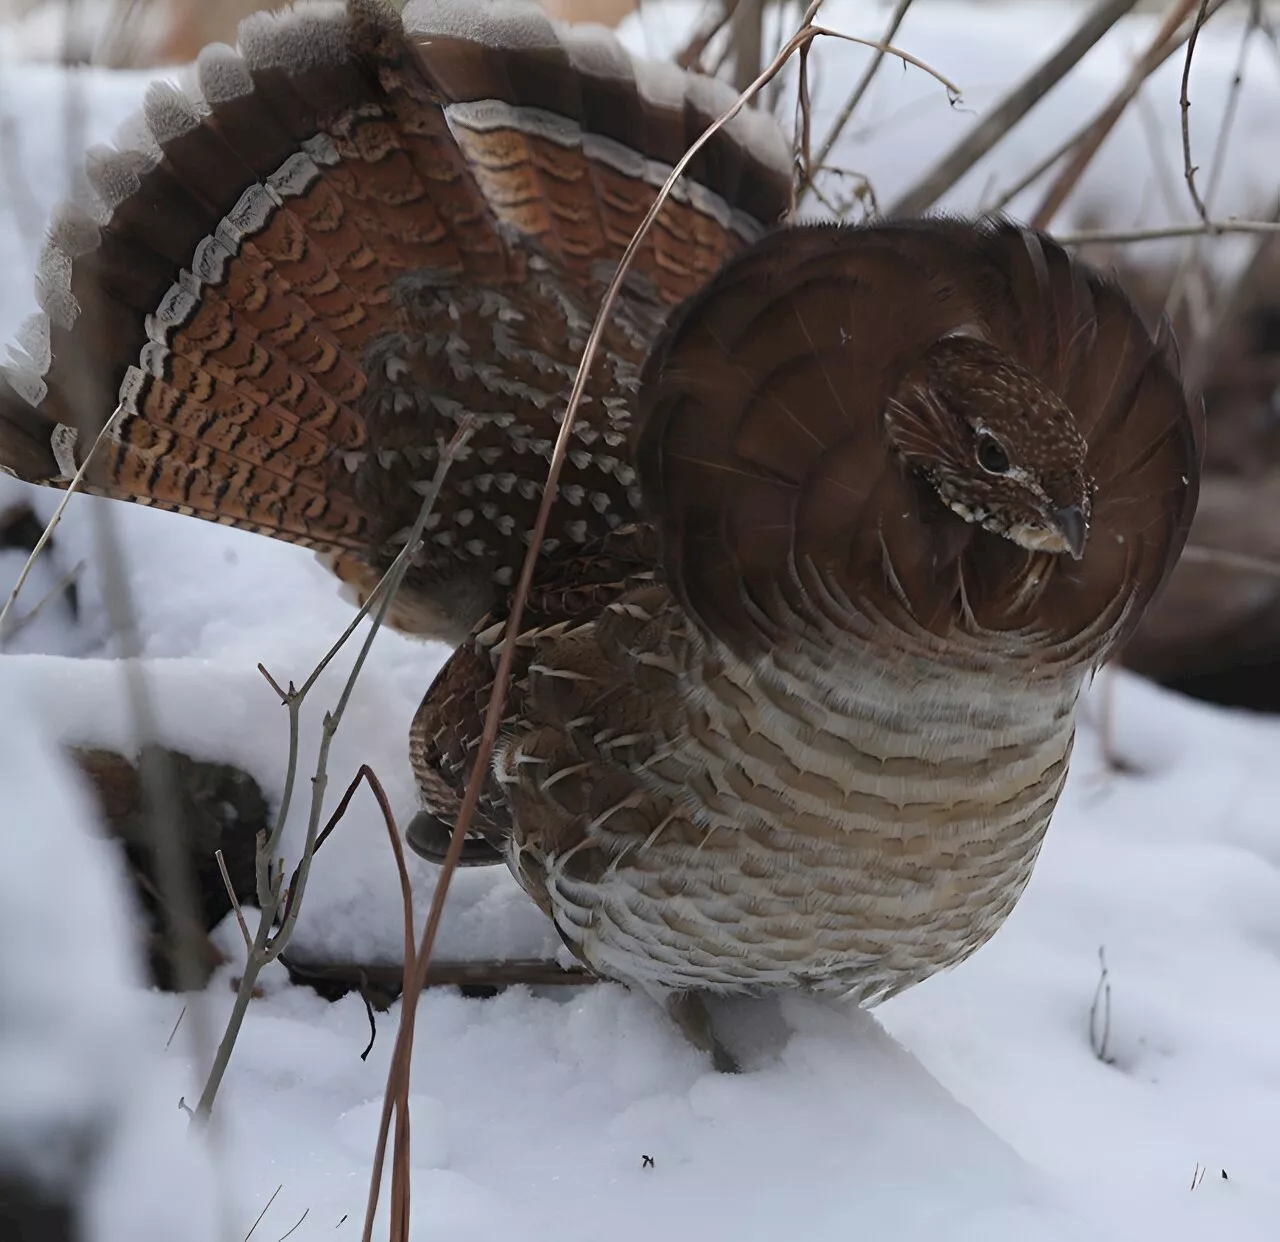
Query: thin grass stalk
{"points": [[77, 481], [1215, 228], [850, 106], [1184, 103], [1188, 265]]}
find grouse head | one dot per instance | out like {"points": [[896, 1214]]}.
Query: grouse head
{"points": [[916, 432], [997, 445]]}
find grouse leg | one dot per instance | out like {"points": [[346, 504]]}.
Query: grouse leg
{"points": [[690, 1013]]}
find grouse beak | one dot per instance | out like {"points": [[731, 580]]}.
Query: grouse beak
{"points": [[1073, 526]]}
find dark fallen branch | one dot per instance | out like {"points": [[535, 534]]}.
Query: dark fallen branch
{"points": [[381, 984]]}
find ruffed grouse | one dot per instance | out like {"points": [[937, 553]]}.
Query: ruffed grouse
{"points": [[848, 518]]}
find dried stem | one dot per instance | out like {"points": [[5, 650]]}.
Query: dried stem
{"points": [[1010, 110], [266, 947], [235, 901], [74, 486], [504, 973], [1100, 1013], [18, 624], [397, 1101], [1185, 277], [1215, 228], [264, 1211], [1188, 169], [850, 106]]}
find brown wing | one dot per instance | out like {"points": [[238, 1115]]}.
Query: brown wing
{"points": [[570, 595], [761, 446], [299, 278]]}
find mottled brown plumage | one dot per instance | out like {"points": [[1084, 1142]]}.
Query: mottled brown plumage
{"points": [[822, 745], [849, 517]]}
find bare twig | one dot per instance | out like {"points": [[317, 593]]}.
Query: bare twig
{"points": [[1085, 142], [509, 972], [397, 1099], [296, 1223], [1215, 228], [840, 206], [850, 106], [264, 1211], [74, 486], [235, 901], [266, 947], [182, 1013], [802, 141], [18, 624], [1188, 169], [1190, 281], [1010, 110], [1100, 1013]]}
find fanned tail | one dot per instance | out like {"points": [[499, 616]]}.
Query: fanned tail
{"points": [[240, 276]]}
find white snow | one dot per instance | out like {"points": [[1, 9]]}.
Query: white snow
{"points": [[971, 1108]]}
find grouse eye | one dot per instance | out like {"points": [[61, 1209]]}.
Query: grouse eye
{"points": [[991, 457]]}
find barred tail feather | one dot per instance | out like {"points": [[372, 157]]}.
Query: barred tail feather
{"points": [[231, 274]]}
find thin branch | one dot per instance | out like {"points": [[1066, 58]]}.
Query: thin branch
{"points": [[1190, 275], [266, 948], [1100, 1031], [1184, 101], [299, 1221], [182, 1013], [1010, 110], [264, 1211], [463, 973], [19, 624], [850, 106], [235, 901], [398, 1098], [74, 486], [1215, 228]]}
